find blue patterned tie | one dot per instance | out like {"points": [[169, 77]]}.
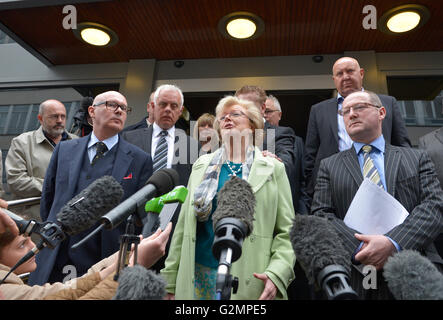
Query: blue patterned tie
{"points": [[161, 152], [100, 152], [369, 169]]}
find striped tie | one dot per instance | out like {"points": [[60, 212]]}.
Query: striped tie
{"points": [[369, 170], [161, 152], [100, 152]]}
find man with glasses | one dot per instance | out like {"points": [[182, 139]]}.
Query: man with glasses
{"points": [[273, 110], [405, 173], [76, 164], [326, 132], [29, 154]]}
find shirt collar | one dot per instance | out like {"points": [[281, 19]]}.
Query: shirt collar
{"points": [[109, 142], [378, 144], [156, 130]]}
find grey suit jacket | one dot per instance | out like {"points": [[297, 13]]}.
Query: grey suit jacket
{"points": [[410, 178], [322, 134], [432, 143]]}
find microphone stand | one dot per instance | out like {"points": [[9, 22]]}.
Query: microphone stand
{"points": [[126, 241]]}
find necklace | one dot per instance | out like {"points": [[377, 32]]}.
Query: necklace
{"points": [[234, 172]]}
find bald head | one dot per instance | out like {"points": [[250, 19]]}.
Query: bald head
{"points": [[347, 76], [109, 94]]}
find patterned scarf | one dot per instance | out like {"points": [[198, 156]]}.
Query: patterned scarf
{"points": [[207, 189]]}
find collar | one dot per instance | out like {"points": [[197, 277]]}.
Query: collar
{"points": [[378, 143], [156, 130], [109, 142]]}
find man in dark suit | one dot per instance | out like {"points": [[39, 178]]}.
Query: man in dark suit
{"points": [[405, 173], [72, 168], [146, 122], [326, 134]]}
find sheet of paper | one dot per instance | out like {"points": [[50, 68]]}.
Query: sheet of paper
{"points": [[373, 210]]}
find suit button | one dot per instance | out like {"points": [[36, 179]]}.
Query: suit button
{"points": [[252, 238]]}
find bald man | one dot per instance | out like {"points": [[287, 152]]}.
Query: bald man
{"points": [[29, 154], [326, 133], [72, 168], [147, 121]]}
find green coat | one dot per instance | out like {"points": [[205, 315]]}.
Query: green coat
{"points": [[267, 250]]}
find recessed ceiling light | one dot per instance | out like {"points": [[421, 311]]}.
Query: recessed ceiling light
{"points": [[241, 26], [403, 19], [95, 34]]}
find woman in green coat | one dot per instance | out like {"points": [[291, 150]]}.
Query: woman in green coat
{"points": [[265, 267]]}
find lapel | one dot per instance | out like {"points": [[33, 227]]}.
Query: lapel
{"points": [[75, 158], [261, 170], [392, 163], [147, 139], [351, 163], [123, 160], [331, 117]]}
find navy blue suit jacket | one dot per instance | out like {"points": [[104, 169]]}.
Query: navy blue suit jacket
{"points": [[60, 185]]}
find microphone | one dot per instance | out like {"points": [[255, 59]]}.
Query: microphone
{"points": [[322, 256], [411, 276], [139, 283], [232, 222], [78, 215], [161, 182], [161, 209], [23, 202], [25, 227]]}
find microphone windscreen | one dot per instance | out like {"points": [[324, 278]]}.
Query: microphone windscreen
{"points": [[86, 208], [411, 276], [317, 245], [139, 283], [164, 180], [235, 200]]}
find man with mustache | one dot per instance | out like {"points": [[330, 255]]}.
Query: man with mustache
{"points": [[29, 154], [75, 165], [326, 134]]}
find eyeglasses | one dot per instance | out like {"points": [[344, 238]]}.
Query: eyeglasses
{"points": [[232, 115], [113, 106], [357, 108], [269, 111]]}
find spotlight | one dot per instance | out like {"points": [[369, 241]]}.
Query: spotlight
{"points": [[403, 19]]}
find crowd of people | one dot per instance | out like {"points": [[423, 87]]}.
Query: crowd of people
{"points": [[355, 136]]}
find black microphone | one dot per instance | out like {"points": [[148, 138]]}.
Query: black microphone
{"points": [[161, 182], [232, 222], [139, 283], [411, 276], [322, 256], [78, 215]]}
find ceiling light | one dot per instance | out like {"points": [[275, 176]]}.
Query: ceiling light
{"points": [[403, 19], [241, 26], [95, 34]]}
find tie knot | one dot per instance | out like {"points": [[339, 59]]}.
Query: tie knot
{"points": [[101, 147], [367, 148], [163, 133]]}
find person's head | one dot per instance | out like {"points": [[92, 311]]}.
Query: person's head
{"points": [[347, 76], [168, 105], [273, 110], [108, 113], [13, 248], [363, 115], [150, 108], [204, 128], [236, 116], [254, 94], [52, 117]]}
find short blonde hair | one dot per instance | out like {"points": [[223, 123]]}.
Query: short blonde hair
{"points": [[204, 119], [252, 113]]}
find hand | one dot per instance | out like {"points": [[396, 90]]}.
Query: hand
{"points": [[266, 153], [3, 204], [169, 296], [270, 290], [375, 250], [7, 223], [153, 248]]}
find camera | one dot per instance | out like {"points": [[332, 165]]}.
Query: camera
{"points": [[179, 63], [317, 59]]}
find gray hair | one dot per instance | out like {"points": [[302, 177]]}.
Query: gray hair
{"points": [[275, 101], [168, 87]]}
